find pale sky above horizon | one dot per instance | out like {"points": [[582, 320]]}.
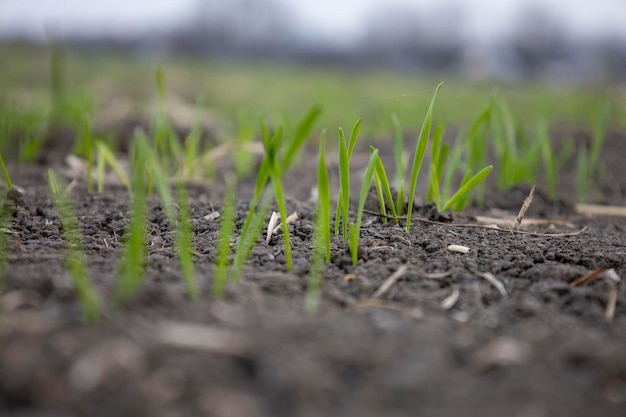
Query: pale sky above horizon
{"points": [[330, 19]]}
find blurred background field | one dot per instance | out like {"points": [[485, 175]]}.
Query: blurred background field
{"points": [[226, 62]]}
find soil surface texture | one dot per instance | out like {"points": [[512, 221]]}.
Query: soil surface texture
{"points": [[501, 330]]}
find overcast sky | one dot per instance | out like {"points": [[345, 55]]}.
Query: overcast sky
{"points": [[332, 19]]}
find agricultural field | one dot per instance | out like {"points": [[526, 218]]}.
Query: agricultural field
{"points": [[183, 237]]}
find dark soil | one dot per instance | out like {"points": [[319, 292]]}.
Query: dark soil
{"points": [[545, 348]]}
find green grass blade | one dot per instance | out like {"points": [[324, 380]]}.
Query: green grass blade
{"points": [[344, 184], [179, 223], [433, 187], [467, 187], [225, 236], [398, 152], [183, 240], [476, 143], [106, 157], [549, 159], [88, 142], [75, 263], [271, 151], [434, 175], [248, 239], [323, 187], [192, 150], [353, 137], [321, 241], [381, 198], [418, 157], [583, 181], [5, 172], [453, 167], [132, 268], [380, 176], [365, 187], [299, 138]]}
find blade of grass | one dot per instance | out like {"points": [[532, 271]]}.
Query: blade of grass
{"points": [[134, 252], [382, 182], [343, 202], [75, 263], [225, 236], [299, 138], [418, 157], [398, 152], [355, 230], [248, 239], [433, 187], [89, 155], [321, 241], [436, 173], [271, 149], [549, 159], [5, 172], [465, 189], [106, 157], [179, 224], [323, 187]]}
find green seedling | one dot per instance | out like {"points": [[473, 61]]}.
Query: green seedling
{"points": [[5, 172], [587, 166], [477, 145], [383, 189], [418, 156], [321, 240], [88, 147], [355, 230], [225, 236], [323, 207], [293, 145], [439, 157], [272, 146], [243, 158], [106, 157], [5, 231], [134, 250], [518, 158], [75, 263], [343, 200], [179, 224], [550, 162], [461, 198], [250, 235], [398, 152], [192, 150], [166, 143]]}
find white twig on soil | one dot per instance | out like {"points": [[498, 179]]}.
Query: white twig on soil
{"points": [[274, 224], [609, 313], [498, 285], [524, 209], [613, 280], [200, 337], [214, 215], [599, 210], [271, 225], [449, 302], [390, 281]]}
